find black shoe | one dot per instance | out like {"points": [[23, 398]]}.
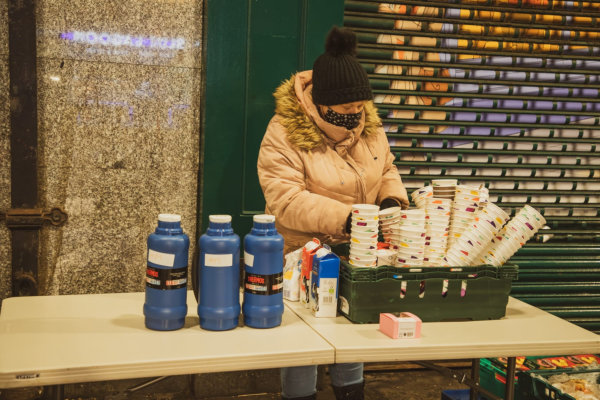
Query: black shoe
{"points": [[350, 392]]}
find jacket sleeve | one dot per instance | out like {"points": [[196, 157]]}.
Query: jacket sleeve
{"points": [[391, 182], [281, 175]]}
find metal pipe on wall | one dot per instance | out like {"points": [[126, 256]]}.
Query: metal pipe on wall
{"points": [[23, 142]]}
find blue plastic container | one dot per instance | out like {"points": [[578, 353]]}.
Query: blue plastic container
{"points": [[165, 306], [219, 275], [459, 394], [263, 282]]}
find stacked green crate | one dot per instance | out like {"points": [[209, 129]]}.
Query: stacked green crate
{"points": [[493, 378], [536, 386], [492, 372]]}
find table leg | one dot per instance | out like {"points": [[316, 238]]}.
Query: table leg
{"points": [[509, 393], [473, 395]]}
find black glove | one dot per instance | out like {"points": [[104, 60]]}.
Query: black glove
{"points": [[349, 223], [388, 203]]}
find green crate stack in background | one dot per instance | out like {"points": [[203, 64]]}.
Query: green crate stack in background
{"points": [[534, 385], [492, 372], [506, 95]]}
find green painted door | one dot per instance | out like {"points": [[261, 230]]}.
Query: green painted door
{"points": [[251, 47]]}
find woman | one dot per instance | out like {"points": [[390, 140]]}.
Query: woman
{"points": [[324, 150]]}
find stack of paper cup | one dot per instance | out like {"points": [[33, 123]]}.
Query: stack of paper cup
{"points": [[437, 219], [420, 195], [471, 193], [389, 225], [363, 235], [487, 223], [387, 218], [513, 236], [484, 196], [414, 217], [444, 188], [390, 232], [409, 241], [467, 202]]}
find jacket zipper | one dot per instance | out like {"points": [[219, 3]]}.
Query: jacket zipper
{"points": [[361, 180]]}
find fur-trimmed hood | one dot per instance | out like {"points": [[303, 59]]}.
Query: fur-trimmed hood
{"points": [[298, 113]]}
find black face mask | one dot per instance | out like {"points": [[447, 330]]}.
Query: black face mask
{"points": [[348, 121]]}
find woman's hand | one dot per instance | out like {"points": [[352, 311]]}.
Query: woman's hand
{"points": [[349, 223], [388, 203]]}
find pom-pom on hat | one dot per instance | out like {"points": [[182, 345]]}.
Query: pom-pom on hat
{"points": [[338, 78]]}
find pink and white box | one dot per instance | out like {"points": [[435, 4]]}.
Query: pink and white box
{"points": [[402, 325]]}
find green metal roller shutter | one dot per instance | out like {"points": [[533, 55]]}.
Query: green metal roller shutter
{"points": [[503, 93]]}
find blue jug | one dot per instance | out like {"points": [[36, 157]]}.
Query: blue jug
{"points": [[165, 306], [263, 283], [219, 275]]}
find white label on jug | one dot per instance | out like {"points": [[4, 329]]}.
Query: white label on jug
{"points": [[249, 259], [164, 259], [218, 260]]}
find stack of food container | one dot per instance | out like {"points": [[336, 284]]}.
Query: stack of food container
{"points": [[453, 225], [444, 188], [487, 223], [420, 195], [389, 222], [464, 207], [364, 233], [512, 236], [410, 239], [437, 220]]}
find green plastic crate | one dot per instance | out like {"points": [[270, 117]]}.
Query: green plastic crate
{"points": [[493, 379], [492, 376], [431, 293], [533, 386]]}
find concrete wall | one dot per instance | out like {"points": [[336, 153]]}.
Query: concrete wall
{"points": [[119, 97]]}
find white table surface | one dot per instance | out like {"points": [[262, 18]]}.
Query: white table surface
{"points": [[47, 340], [524, 331]]}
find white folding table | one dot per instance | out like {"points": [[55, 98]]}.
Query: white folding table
{"points": [[53, 340], [524, 331]]}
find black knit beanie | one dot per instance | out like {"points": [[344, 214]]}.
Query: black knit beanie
{"points": [[338, 78]]}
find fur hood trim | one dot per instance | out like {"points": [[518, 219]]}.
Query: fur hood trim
{"points": [[302, 132]]}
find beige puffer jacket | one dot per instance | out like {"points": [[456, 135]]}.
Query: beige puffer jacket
{"points": [[311, 172]]}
